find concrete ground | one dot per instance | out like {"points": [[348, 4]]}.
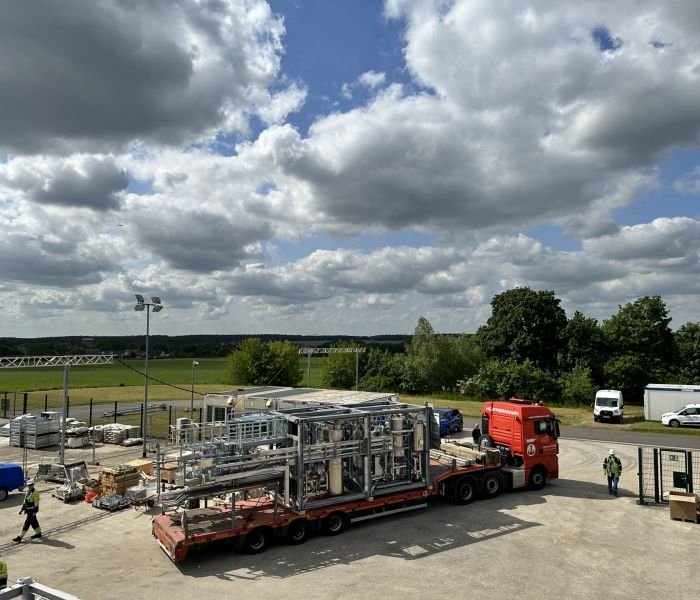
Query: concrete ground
{"points": [[571, 540]]}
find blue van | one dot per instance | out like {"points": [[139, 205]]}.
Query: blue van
{"points": [[11, 478]]}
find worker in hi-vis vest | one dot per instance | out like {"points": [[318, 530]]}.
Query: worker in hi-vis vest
{"points": [[30, 507], [3, 575], [612, 467]]}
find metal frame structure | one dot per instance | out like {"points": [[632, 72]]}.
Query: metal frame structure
{"points": [[58, 361], [317, 456], [356, 351], [14, 362]]}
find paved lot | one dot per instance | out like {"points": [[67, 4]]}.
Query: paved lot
{"points": [[571, 540]]}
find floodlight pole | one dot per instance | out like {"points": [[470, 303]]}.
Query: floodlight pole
{"points": [[64, 424], [140, 306], [194, 364], [144, 425]]}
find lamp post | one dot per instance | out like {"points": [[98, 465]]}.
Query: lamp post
{"points": [[156, 305], [194, 364]]}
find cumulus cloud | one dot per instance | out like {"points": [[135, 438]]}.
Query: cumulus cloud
{"points": [[507, 118], [91, 75], [81, 180], [524, 118]]}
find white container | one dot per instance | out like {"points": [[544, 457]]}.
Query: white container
{"points": [[662, 398]]}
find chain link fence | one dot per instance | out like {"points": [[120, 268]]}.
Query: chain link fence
{"points": [[161, 416]]}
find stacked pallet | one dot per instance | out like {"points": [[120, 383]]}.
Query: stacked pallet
{"points": [[115, 481], [116, 433], [34, 432]]}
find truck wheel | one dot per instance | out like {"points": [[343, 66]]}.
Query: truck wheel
{"points": [[538, 478], [256, 541], [298, 532], [3, 493], [334, 524], [492, 485], [674, 423], [465, 490]]}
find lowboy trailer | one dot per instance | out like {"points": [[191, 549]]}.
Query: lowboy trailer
{"points": [[286, 474]]}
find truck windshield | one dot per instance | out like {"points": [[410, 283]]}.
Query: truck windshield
{"points": [[547, 426], [607, 402]]}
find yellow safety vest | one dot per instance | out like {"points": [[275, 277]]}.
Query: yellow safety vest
{"points": [[612, 467], [31, 499], [3, 570]]}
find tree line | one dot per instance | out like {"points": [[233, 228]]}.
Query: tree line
{"points": [[527, 348]]}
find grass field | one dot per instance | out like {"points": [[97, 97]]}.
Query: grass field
{"points": [[105, 384]]}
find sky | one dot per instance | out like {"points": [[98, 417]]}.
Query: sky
{"points": [[333, 167]]}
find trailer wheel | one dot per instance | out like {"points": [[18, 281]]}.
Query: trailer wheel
{"points": [[298, 532], [492, 485], [334, 524], [256, 541], [3, 493], [465, 490], [538, 478]]}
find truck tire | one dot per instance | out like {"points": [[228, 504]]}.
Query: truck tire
{"points": [[465, 490], [538, 478], [334, 524], [256, 541], [674, 423], [298, 532], [492, 485], [3, 493]]}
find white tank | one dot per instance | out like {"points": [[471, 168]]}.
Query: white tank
{"points": [[418, 437], [335, 466], [397, 424]]}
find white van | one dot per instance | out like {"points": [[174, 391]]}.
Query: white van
{"points": [[608, 405]]}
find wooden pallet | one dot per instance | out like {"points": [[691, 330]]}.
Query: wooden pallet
{"points": [[684, 519]]}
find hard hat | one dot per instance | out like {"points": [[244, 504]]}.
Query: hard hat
{"points": [[612, 450], [30, 482]]}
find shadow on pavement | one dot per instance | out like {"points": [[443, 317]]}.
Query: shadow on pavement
{"points": [[409, 536]]}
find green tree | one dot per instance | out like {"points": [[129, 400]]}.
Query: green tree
{"points": [[258, 363], [687, 342], [382, 371], [435, 361], [577, 386], [641, 346], [584, 344], [338, 369], [502, 380], [524, 325]]}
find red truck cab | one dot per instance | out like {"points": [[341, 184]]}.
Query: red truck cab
{"points": [[527, 436]]}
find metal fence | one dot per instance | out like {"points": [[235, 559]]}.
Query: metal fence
{"points": [[664, 470], [161, 416]]}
